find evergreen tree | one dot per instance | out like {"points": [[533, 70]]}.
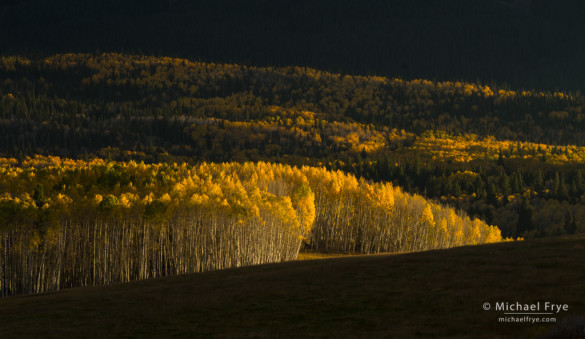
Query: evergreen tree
{"points": [[524, 217]]}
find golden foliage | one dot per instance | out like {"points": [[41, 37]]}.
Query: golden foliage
{"points": [[129, 220]]}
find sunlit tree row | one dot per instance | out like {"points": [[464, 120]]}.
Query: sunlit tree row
{"points": [[97, 223], [356, 216], [73, 223]]}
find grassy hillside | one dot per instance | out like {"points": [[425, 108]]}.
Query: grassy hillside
{"points": [[436, 293], [528, 43]]}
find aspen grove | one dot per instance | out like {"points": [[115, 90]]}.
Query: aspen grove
{"points": [[66, 223]]}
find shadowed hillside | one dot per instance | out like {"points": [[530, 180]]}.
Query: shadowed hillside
{"points": [[436, 293]]}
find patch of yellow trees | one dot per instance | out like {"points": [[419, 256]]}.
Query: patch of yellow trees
{"points": [[66, 223]]}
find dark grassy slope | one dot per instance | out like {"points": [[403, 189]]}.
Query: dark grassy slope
{"points": [[527, 43], [438, 293]]}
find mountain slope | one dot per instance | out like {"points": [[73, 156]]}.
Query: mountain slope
{"points": [[447, 140], [436, 293]]}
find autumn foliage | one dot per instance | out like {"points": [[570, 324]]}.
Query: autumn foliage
{"points": [[73, 223]]}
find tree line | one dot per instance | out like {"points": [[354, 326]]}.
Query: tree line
{"points": [[528, 44], [70, 93], [68, 223]]}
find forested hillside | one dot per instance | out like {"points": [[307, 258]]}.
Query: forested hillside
{"points": [[526, 43], [146, 139], [512, 158], [66, 223]]}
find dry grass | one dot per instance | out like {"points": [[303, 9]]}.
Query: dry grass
{"points": [[428, 294], [312, 256]]}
